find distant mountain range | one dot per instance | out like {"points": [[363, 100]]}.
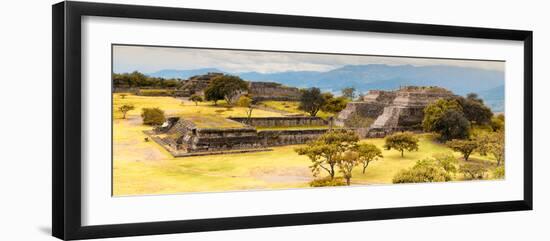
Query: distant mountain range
{"points": [[489, 84]]}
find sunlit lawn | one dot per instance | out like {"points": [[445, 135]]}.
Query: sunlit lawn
{"points": [[292, 107], [141, 167], [173, 106]]}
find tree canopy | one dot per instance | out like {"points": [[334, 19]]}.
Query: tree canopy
{"points": [[474, 110], [137, 79], [368, 153], [349, 93], [333, 104], [423, 171], [152, 116], [311, 101], [124, 109], [466, 147], [196, 98], [405, 141], [325, 150], [226, 87], [445, 117]]}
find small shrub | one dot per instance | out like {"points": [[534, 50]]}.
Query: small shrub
{"points": [[196, 98], [152, 116], [447, 162], [423, 171], [498, 172], [124, 109], [472, 171], [328, 182]]}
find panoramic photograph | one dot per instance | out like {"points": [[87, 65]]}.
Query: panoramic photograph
{"points": [[194, 120]]}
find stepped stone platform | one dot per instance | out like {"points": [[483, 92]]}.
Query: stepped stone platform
{"points": [[190, 137], [398, 110], [259, 90], [287, 121]]}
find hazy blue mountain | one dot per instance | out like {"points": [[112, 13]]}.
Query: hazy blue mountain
{"points": [[460, 80], [182, 74], [376, 76], [494, 98]]}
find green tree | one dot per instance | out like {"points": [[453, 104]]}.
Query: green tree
{"points": [[368, 153], [249, 103], [196, 98], [349, 93], [466, 147], [447, 162], [436, 110], [152, 116], [213, 94], [423, 171], [446, 118], [474, 109], [453, 125], [125, 109], [346, 162], [497, 123], [472, 171], [311, 101], [333, 104], [324, 151], [405, 141], [227, 87], [492, 144]]}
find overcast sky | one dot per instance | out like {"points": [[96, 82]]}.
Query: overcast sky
{"points": [[151, 59]]}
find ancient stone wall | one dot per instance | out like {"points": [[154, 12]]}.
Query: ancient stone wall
{"points": [[281, 121], [133, 90], [288, 137], [273, 91], [363, 109]]}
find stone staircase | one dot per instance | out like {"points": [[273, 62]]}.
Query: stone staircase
{"points": [[389, 118]]}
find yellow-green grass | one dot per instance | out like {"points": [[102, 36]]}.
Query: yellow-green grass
{"points": [[143, 167], [173, 106], [292, 107], [146, 168]]}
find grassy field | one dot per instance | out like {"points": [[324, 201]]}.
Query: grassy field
{"points": [[141, 167], [173, 106], [292, 107]]}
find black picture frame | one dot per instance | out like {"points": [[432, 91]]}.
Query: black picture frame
{"points": [[66, 159]]}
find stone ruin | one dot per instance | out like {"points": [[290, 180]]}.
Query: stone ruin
{"points": [[196, 84], [182, 137], [259, 90], [273, 91], [287, 121], [391, 111]]}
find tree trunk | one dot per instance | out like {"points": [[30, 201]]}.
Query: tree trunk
{"points": [[331, 172], [123, 115], [348, 180], [365, 167], [402, 153]]}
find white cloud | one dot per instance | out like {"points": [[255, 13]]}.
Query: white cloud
{"points": [[151, 59]]}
